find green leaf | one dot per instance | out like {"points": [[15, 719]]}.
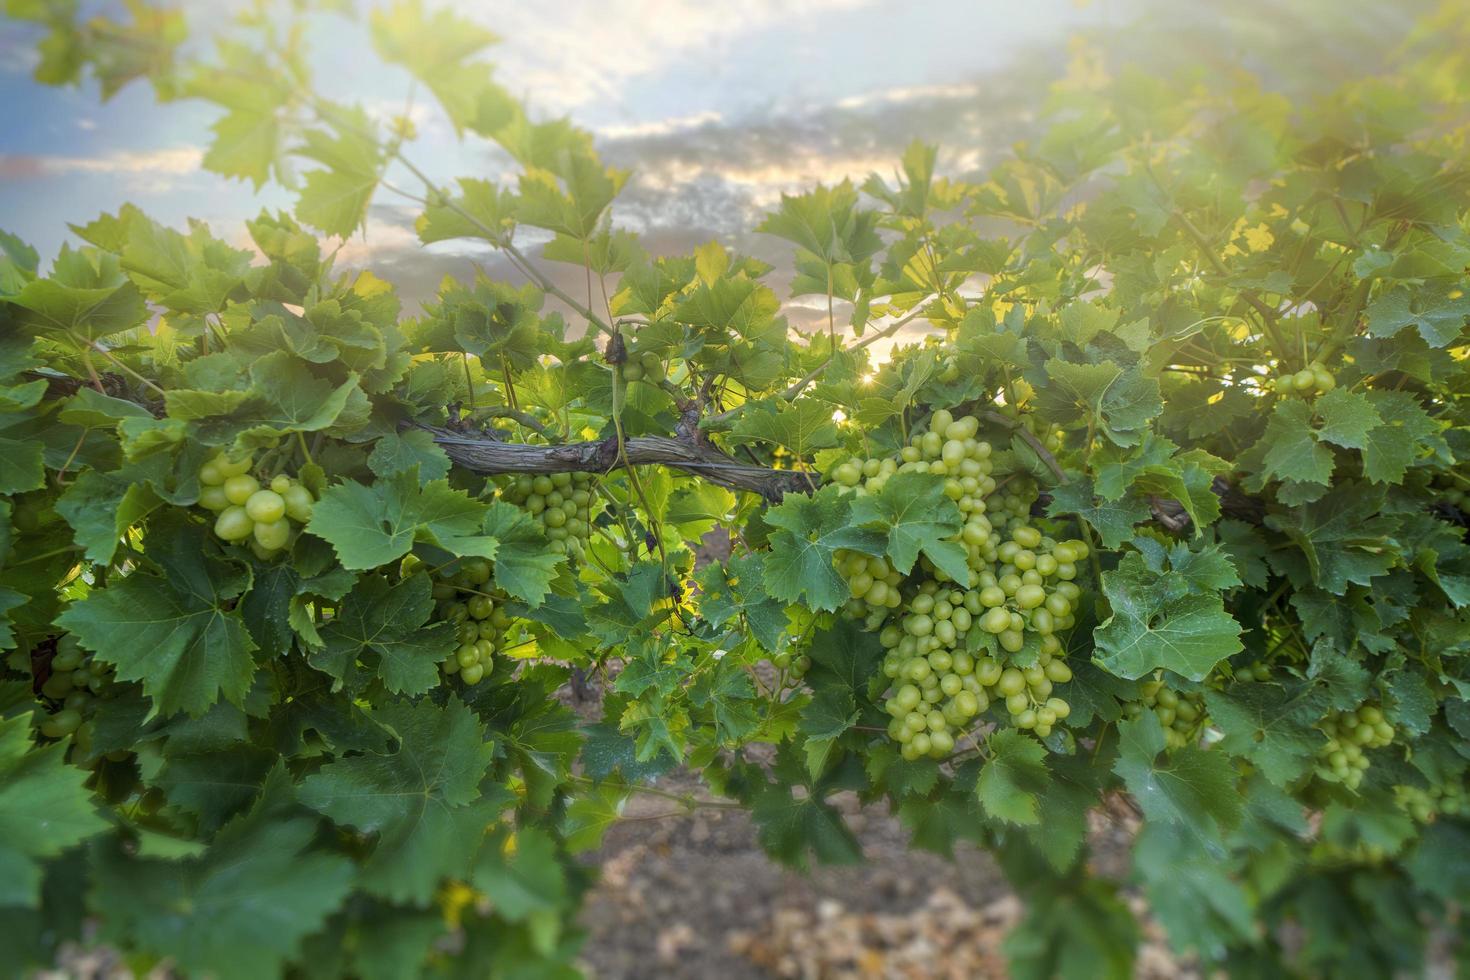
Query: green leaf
{"points": [[398, 452], [44, 809], [1200, 904], [1073, 930], [100, 507], [1347, 418], [382, 630], [524, 881], [1161, 620], [423, 801], [1192, 787], [809, 530], [369, 526], [1113, 520], [1434, 311], [790, 827], [239, 911], [1012, 777], [1292, 451], [1391, 447], [1270, 726], [803, 426], [524, 561], [177, 632], [912, 511]]}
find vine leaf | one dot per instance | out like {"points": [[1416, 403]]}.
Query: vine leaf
{"points": [[44, 809], [524, 564], [1192, 787], [915, 515], [237, 911], [369, 526], [386, 626], [1013, 777], [809, 530], [1160, 619], [423, 801], [173, 632]]}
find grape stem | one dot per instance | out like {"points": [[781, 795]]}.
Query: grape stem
{"points": [[1041, 451]]}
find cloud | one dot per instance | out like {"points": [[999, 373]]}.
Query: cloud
{"points": [[592, 48], [174, 162]]}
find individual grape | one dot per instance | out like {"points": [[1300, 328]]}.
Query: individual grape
{"points": [[233, 524], [265, 506], [238, 489]]}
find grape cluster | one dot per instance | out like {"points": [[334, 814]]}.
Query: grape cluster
{"points": [[1424, 805], [249, 512], [647, 366], [1257, 672], [1314, 379], [953, 648], [479, 619], [1451, 491], [1181, 713], [1342, 758], [562, 503], [76, 681]]}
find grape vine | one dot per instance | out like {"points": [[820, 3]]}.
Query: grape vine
{"points": [[1155, 509]]}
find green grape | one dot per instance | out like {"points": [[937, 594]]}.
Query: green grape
{"points": [[1342, 757], [77, 682], [1013, 602], [1182, 714]]}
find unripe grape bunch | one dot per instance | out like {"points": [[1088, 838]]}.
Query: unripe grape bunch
{"points": [[478, 615], [1450, 798], [77, 681], [1314, 379], [265, 516], [1343, 757], [954, 648], [564, 504], [1181, 714]]}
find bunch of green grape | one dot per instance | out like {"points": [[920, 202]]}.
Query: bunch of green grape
{"points": [[1257, 672], [1452, 489], [477, 614], [1343, 757], [1425, 805], [77, 680], [248, 511], [564, 504], [1181, 713], [647, 366], [956, 647], [1314, 379]]}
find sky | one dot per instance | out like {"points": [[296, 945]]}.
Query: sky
{"points": [[717, 109], [716, 112]]}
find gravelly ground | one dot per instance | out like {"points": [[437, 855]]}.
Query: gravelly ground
{"points": [[691, 895]]}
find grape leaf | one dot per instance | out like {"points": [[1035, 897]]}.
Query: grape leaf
{"points": [[382, 631], [1012, 777], [809, 530], [1161, 620], [1436, 312], [912, 511], [524, 561], [238, 911], [175, 632], [1193, 787], [369, 526], [1113, 520], [423, 801], [44, 809]]}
